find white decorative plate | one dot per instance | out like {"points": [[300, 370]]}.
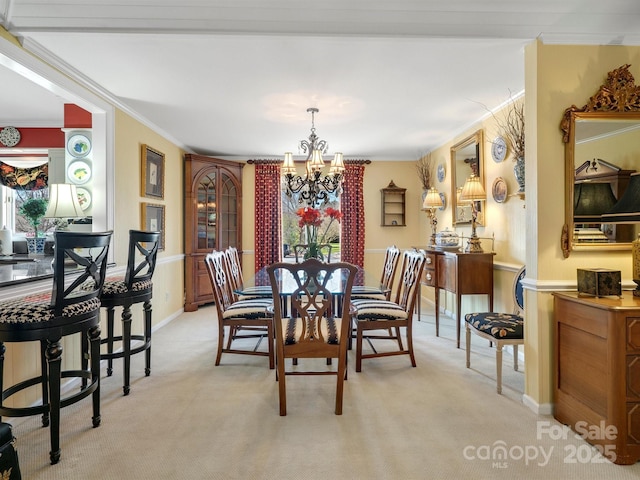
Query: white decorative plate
{"points": [[84, 198], [498, 149], [79, 145], [441, 172], [79, 172]]}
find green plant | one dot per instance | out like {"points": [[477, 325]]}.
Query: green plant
{"points": [[34, 209]]}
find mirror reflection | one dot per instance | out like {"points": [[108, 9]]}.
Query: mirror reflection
{"points": [[466, 159], [602, 152]]}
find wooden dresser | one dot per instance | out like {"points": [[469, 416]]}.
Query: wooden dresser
{"points": [[461, 274], [597, 371]]}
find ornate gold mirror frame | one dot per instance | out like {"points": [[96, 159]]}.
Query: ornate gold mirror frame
{"points": [[467, 158], [617, 100]]}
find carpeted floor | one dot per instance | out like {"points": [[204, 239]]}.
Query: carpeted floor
{"points": [[193, 420]]}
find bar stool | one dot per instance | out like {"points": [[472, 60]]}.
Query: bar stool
{"points": [[136, 287], [73, 306]]}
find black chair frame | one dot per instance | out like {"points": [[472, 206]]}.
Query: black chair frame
{"points": [[141, 263], [80, 262]]}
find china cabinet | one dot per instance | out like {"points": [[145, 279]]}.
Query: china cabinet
{"points": [[213, 219]]}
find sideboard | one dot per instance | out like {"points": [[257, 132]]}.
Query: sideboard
{"points": [[459, 273], [597, 371]]}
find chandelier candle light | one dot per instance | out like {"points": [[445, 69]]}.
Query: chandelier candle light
{"points": [[313, 187], [431, 202], [473, 192]]}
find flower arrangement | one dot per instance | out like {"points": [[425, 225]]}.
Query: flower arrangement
{"points": [[311, 220]]}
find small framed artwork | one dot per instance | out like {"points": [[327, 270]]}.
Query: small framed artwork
{"points": [[152, 173], [153, 220]]}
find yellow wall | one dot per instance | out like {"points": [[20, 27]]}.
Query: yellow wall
{"points": [[557, 77], [168, 283]]}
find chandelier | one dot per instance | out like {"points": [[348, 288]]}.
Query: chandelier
{"points": [[313, 188]]}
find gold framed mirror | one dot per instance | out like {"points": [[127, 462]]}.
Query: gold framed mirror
{"points": [[467, 158], [602, 149]]}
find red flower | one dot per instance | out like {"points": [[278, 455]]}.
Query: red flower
{"points": [[309, 217], [333, 214]]}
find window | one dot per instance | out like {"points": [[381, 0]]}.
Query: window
{"points": [[293, 234]]}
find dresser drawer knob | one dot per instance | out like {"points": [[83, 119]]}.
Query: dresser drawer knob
{"points": [[429, 261], [428, 277]]}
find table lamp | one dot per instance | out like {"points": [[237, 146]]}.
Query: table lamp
{"points": [[431, 202], [63, 204], [473, 192]]}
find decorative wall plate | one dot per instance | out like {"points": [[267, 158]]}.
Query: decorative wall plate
{"points": [[79, 145], [441, 172], [10, 136], [498, 149], [79, 172], [84, 198], [499, 190], [443, 197]]}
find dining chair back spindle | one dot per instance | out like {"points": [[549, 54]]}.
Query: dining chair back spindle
{"points": [[313, 327]]}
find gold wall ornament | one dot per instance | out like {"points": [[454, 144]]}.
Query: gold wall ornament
{"points": [[618, 93]]}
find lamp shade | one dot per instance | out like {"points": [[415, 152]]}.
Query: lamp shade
{"points": [[472, 190], [288, 167], [337, 164], [432, 200], [591, 200], [316, 163], [627, 210], [63, 202]]}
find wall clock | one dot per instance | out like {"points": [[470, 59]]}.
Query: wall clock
{"points": [[9, 136], [498, 149]]}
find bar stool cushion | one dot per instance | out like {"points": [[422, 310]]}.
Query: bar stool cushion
{"points": [[37, 308], [115, 286]]}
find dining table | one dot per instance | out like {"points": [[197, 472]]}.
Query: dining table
{"points": [[260, 286]]}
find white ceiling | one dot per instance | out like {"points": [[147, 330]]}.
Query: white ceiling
{"points": [[393, 79]]}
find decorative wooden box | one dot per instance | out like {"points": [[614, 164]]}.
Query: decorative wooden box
{"points": [[599, 282]]}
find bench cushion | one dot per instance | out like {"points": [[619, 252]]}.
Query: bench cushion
{"points": [[498, 325]]}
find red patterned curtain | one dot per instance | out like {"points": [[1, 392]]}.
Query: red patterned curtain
{"points": [[352, 206], [268, 208]]}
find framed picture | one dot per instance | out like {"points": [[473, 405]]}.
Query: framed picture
{"points": [[153, 220], [152, 173]]}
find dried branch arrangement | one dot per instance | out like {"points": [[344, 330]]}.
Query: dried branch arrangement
{"points": [[424, 167], [512, 126]]}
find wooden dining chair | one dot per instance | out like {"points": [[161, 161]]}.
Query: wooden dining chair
{"points": [[389, 267], [236, 279], [500, 328], [312, 328], [369, 315], [244, 318]]}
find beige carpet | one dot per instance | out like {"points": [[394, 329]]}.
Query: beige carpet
{"points": [[192, 420]]}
